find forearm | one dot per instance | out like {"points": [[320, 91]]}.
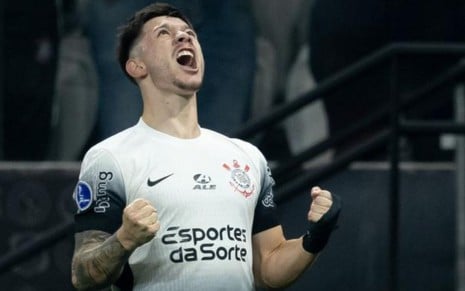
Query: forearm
{"points": [[277, 262], [99, 263], [285, 264]]}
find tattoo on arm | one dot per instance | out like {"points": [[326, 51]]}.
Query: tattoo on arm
{"points": [[98, 260]]}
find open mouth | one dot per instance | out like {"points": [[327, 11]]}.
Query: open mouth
{"points": [[186, 58]]}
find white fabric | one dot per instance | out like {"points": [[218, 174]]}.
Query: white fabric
{"points": [[210, 192]]}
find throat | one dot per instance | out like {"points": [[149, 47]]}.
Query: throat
{"points": [[180, 122]]}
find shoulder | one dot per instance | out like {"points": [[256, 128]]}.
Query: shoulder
{"points": [[242, 145], [116, 145], [110, 152], [119, 141]]}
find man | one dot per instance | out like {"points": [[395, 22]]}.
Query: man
{"points": [[168, 205]]}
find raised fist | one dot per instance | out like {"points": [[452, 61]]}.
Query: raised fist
{"points": [[320, 205], [140, 224], [323, 216]]}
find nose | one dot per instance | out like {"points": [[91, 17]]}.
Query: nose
{"points": [[182, 36]]}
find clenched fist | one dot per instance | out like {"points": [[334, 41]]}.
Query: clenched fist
{"points": [[321, 203], [323, 216], [140, 224]]}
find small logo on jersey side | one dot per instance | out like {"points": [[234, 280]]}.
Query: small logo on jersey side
{"points": [[203, 182], [83, 196], [268, 200], [240, 180], [151, 183]]}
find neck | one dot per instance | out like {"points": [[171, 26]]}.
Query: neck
{"points": [[172, 114]]}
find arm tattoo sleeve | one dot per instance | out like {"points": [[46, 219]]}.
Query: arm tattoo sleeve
{"points": [[98, 260]]}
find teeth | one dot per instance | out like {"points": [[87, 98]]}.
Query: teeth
{"points": [[185, 53]]}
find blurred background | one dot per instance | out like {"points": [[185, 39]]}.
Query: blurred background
{"points": [[362, 97]]}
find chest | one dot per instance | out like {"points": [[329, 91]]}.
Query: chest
{"points": [[197, 184]]}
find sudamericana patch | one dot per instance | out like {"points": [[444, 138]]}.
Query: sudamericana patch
{"points": [[83, 196]]}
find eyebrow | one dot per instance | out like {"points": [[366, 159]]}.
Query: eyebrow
{"points": [[166, 26]]}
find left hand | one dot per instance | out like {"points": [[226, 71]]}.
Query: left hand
{"points": [[321, 203]]}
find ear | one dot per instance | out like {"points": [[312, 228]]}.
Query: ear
{"points": [[136, 69]]}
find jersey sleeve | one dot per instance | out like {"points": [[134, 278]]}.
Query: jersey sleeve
{"points": [[265, 211], [99, 194]]}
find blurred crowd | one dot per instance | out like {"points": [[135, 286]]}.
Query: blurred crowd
{"points": [[62, 89]]}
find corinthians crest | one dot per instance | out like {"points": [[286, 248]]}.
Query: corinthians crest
{"points": [[240, 180]]}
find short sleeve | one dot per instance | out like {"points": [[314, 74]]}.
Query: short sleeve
{"points": [[265, 211], [99, 194]]}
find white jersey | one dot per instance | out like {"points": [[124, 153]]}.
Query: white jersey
{"points": [[212, 193]]}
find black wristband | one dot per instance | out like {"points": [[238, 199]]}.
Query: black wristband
{"points": [[318, 233]]}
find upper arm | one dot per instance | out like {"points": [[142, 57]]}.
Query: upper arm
{"points": [[100, 199], [99, 194]]}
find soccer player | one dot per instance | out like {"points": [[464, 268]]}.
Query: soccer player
{"points": [[169, 205]]}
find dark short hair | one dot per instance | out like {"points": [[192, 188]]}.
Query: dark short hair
{"points": [[130, 31]]}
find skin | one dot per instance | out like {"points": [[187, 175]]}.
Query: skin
{"points": [[169, 94]]}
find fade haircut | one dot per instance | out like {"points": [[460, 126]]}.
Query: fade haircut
{"points": [[129, 32]]}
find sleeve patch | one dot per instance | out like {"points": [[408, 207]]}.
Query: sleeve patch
{"points": [[268, 200], [83, 196]]}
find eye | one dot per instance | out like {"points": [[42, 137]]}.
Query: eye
{"points": [[191, 33], [163, 32]]}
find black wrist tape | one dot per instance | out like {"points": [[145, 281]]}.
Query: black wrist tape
{"points": [[318, 233]]}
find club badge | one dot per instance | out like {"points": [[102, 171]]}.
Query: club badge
{"points": [[240, 180]]}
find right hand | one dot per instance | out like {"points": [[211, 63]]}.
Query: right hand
{"points": [[140, 224]]}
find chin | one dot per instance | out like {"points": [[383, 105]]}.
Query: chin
{"points": [[189, 86]]}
